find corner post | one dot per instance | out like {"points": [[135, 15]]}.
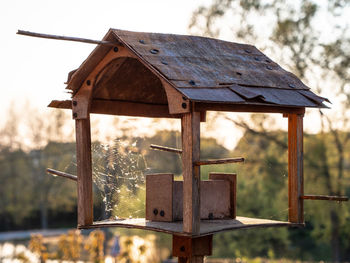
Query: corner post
{"points": [[190, 130], [295, 168], [84, 171]]}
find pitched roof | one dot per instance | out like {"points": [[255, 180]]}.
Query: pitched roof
{"points": [[204, 70]]}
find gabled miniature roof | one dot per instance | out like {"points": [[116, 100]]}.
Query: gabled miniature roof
{"points": [[201, 69]]}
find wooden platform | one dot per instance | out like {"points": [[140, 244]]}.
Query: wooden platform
{"points": [[207, 227]]}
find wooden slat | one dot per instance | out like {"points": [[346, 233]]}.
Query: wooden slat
{"points": [[232, 178], [295, 168], [84, 170], [325, 197], [190, 126], [136, 109], [121, 108], [208, 227], [159, 197], [61, 104], [215, 199], [219, 161], [252, 107]]}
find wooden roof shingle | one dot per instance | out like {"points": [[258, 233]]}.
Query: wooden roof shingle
{"points": [[202, 69]]}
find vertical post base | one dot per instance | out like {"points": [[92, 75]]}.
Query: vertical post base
{"points": [[192, 250]]}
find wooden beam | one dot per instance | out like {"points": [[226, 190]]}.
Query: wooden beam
{"points": [[84, 170], [202, 106], [190, 130], [325, 197], [121, 108], [219, 161], [295, 168]]}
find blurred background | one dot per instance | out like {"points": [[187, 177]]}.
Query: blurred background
{"points": [[38, 211]]}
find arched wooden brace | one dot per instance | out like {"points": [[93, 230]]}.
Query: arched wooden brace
{"points": [[81, 104]]}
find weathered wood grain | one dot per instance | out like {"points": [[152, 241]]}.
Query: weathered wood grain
{"points": [[84, 171], [232, 178], [192, 249], [190, 130], [208, 227], [215, 199], [295, 168], [159, 197]]}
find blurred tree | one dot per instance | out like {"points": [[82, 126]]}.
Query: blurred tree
{"points": [[36, 245], [94, 245], [69, 245]]}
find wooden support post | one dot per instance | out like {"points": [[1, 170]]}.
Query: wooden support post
{"points": [[295, 168], [84, 171], [192, 250], [190, 125]]}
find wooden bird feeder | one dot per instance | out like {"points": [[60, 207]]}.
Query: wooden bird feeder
{"points": [[174, 76]]}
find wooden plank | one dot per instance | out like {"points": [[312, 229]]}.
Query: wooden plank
{"points": [[84, 171], [295, 168], [215, 199], [222, 94], [204, 59], [219, 161], [121, 108], [127, 79], [232, 178], [325, 197], [126, 108], [178, 200], [208, 227], [159, 198], [251, 107], [190, 130]]}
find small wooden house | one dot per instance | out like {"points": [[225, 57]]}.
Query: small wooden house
{"points": [[176, 76]]}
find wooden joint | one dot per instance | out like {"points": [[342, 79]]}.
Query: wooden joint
{"points": [[177, 102], [81, 102]]}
